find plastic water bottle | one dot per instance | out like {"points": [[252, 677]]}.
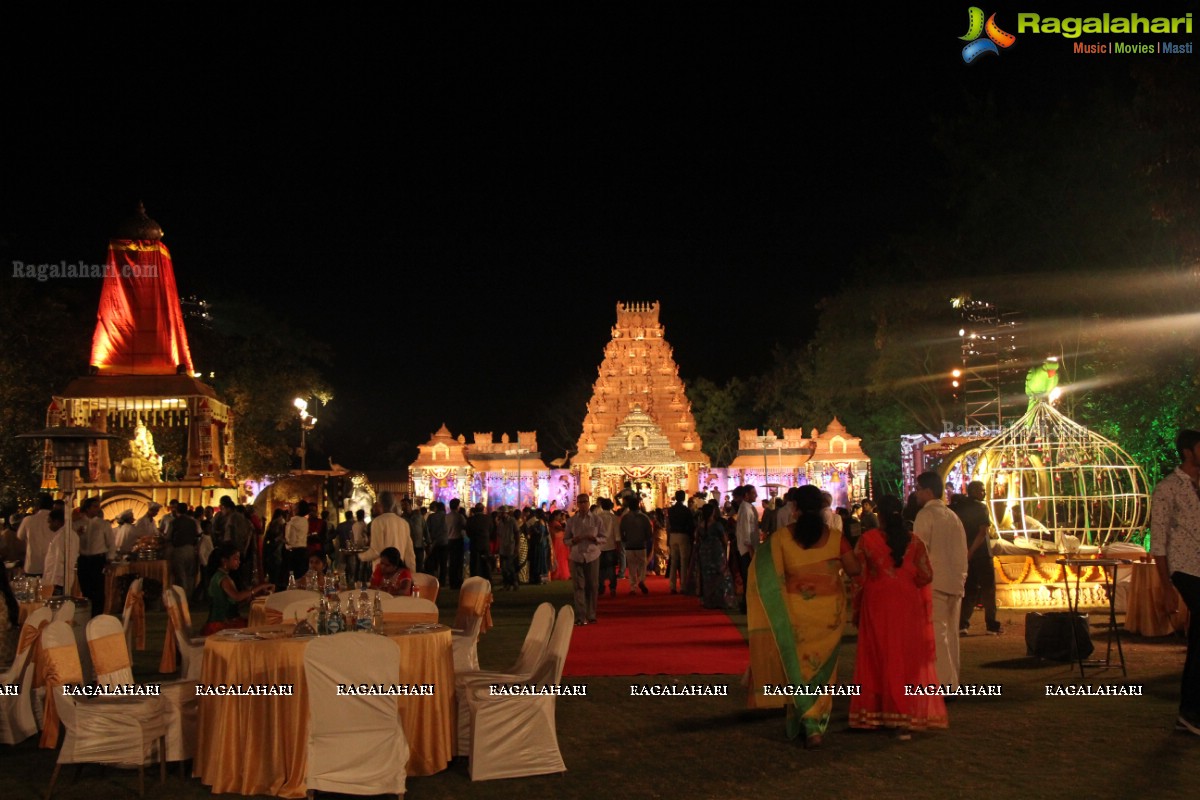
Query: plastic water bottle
{"points": [[351, 613], [366, 619], [337, 623]]}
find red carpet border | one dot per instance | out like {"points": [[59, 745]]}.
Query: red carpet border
{"points": [[656, 634]]}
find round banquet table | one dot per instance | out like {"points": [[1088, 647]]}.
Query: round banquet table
{"points": [[261, 615], [258, 745], [1143, 614]]}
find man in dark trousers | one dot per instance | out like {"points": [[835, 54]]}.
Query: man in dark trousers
{"points": [[479, 533], [681, 524], [637, 532], [981, 576], [1175, 545]]}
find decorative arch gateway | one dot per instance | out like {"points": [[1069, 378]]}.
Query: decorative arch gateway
{"points": [[639, 452]]}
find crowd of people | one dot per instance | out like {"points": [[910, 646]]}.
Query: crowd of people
{"points": [[909, 575]]}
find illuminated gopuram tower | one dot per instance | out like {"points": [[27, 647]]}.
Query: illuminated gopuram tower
{"points": [[639, 425]]}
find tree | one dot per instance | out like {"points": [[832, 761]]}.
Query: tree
{"points": [[720, 411], [41, 349], [560, 419], [260, 364]]}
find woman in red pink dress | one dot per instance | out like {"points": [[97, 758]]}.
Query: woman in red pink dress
{"points": [[895, 634], [560, 554]]}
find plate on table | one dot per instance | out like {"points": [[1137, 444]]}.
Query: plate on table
{"points": [[237, 633], [271, 634]]}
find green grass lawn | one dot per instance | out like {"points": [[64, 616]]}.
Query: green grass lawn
{"points": [[1020, 745]]}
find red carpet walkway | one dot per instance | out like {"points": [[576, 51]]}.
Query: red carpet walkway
{"points": [[656, 634]]}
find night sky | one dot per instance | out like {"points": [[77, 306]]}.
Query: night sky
{"points": [[455, 203]]}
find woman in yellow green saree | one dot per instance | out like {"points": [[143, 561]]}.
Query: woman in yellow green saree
{"points": [[796, 609]]}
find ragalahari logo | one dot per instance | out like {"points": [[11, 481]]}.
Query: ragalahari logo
{"points": [[976, 28]]}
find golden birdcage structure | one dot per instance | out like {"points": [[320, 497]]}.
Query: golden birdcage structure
{"points": [[1052, 484]]}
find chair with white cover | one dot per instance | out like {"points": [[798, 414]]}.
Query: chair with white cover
{"points": [[98, 731], [514, 736], [114, 667], [407, 605], [110, 655], [18, 713], [532, 650], [278, 601], [65, 612], [356, 744], [474, 600], [179, 636], [426, 586], [298, 610], [133, 617], [407, 609], [473, 618]]}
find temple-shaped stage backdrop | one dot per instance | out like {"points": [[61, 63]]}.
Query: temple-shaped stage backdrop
{"points": [[141, 381]]}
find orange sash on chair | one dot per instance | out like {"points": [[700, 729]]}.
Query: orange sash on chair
{"points": [[109, 654], [168, 663], [475, 604], [135, 604], [62, 668], [31, 637]]}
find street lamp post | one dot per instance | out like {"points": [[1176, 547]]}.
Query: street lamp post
{"points": [[306, 424], [766, 440], [518, 452], [68, 452]]}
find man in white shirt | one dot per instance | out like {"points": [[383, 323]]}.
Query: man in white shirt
{"points": [[747, 532], [358, 531], [942, 533], [96, 544], [833, 520], [36, 534], [60, 571], [389, 529], [584, 536], [1175, 545], [295, 537], [126, 533], [609, 555], [146, 525]]}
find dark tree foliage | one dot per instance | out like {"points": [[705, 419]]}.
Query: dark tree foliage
{"points": [[43, 345], [260, 362]]}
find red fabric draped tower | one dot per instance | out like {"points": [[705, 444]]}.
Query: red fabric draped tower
{"points": [[139, 325]]}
